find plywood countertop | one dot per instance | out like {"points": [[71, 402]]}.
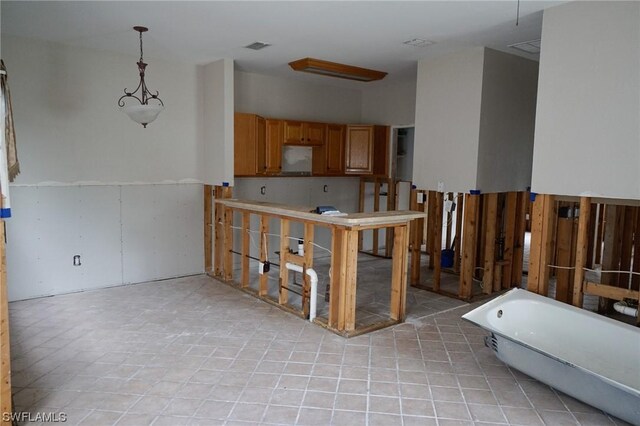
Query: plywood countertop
{"points": [[352, 220]]}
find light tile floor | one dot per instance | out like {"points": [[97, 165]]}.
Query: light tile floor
{"points": [[193, 351]]}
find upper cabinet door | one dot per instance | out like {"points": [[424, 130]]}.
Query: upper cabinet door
{"points": [[359, 150], [274, 136], [314, 133], [246, 143], [294, 132], [335, 149]]}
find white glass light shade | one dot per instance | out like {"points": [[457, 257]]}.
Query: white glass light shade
{"points": [[143, 114]]}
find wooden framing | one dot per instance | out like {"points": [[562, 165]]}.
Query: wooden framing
{"points": [[246, 249], [436, 249], [264, 250], [471, 211], [521, 228], [491, 219], [564, 247], [541, 243], [510, 215], [208, 229], [416, 236], [222, 262], [584, 226], [390, 195], [458, 244], [5, 355], [344, 256]]}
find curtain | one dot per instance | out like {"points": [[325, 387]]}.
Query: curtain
{"points": [[9, 130]]}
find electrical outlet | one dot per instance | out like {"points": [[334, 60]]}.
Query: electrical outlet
{"points": [[440, 186], [261, 268], [420, 197], [76, 260]]}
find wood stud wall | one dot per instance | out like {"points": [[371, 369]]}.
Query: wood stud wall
{"points": [[5, 356], [590, 234]]}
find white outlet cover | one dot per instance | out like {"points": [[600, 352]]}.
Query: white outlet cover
{"points": [[440, 186]]}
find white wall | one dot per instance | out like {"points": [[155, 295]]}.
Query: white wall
{"points": [[390, 104], [507, 122], [587, 125], [274, 97], [448, 101], [79, 157], [217, 113]]}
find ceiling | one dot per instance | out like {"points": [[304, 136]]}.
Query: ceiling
{"points": [[362, 33]]}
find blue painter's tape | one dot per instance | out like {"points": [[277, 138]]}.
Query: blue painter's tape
{"points": [[5, 213], [532, 196], [474, 192], [225, 183]]}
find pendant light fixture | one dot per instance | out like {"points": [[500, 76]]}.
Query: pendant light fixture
{"points": [[141, 111]]}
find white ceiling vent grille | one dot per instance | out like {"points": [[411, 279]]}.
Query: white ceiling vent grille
{"points": [[531, 46], [257, 45]]}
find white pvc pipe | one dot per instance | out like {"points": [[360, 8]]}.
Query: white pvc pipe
{"points": [[624, 309], [313, 302]]}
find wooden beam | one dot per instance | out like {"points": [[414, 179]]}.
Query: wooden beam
{"points": [[626, 246], [376, 207], [593, 225], [348, 317], [467, 266], [635, 280], [510, 214], [338, 275], [563, 258], [458, 237], [431, 204], [490, 243], [611, 250], [391, 205], [263, 290], [208, 228], [541, 243], [219, 234], [308, 263], [5, 355], [449, 230], [437, 240], [609, 291], [399, 274], [417, 229], [283, 297], [227, 255], [246, 249], [599, 240], [521, 229], [363, 187], [582, 245]]}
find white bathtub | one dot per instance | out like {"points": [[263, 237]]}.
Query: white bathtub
{"points": [[591, 357]]}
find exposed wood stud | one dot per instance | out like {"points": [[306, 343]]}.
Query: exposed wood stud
{"points": [[541, 243], [581, 249], [227, 256], [399, 274], [5, 355], [518, 248], [490, 244], [264, 251], [308, 263], [337, 278], [376, 207], [448, 235], [283, 297], [458, 237], [467, 267], [437, 240], [593, 225], [626, 246], [511, 204], [219, 234], [635, 280], [417, 229], [363, 187], [611, 251], [563, 258], [602, 211], [208, 228], [351, 265], [246, 249]]}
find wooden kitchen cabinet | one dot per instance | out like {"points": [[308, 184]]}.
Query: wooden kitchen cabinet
{"points": [[303, 133], [335, 148], [249, 144], [366, 150], [273, 146]]}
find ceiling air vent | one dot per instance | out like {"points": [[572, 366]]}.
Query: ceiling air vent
{"points": [[257, 45], [531, 46], [418, 42]]}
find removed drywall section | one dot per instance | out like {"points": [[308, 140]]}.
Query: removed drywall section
{"points": [[274, 97], [587, 125], [218, 108], [390, 104], [447, 122], [507, 122]]}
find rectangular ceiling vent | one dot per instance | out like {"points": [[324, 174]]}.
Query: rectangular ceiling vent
{"points": [[257, 45], [531, 46]]}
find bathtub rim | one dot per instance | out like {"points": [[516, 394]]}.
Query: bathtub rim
{"points": [[485, 306]]}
